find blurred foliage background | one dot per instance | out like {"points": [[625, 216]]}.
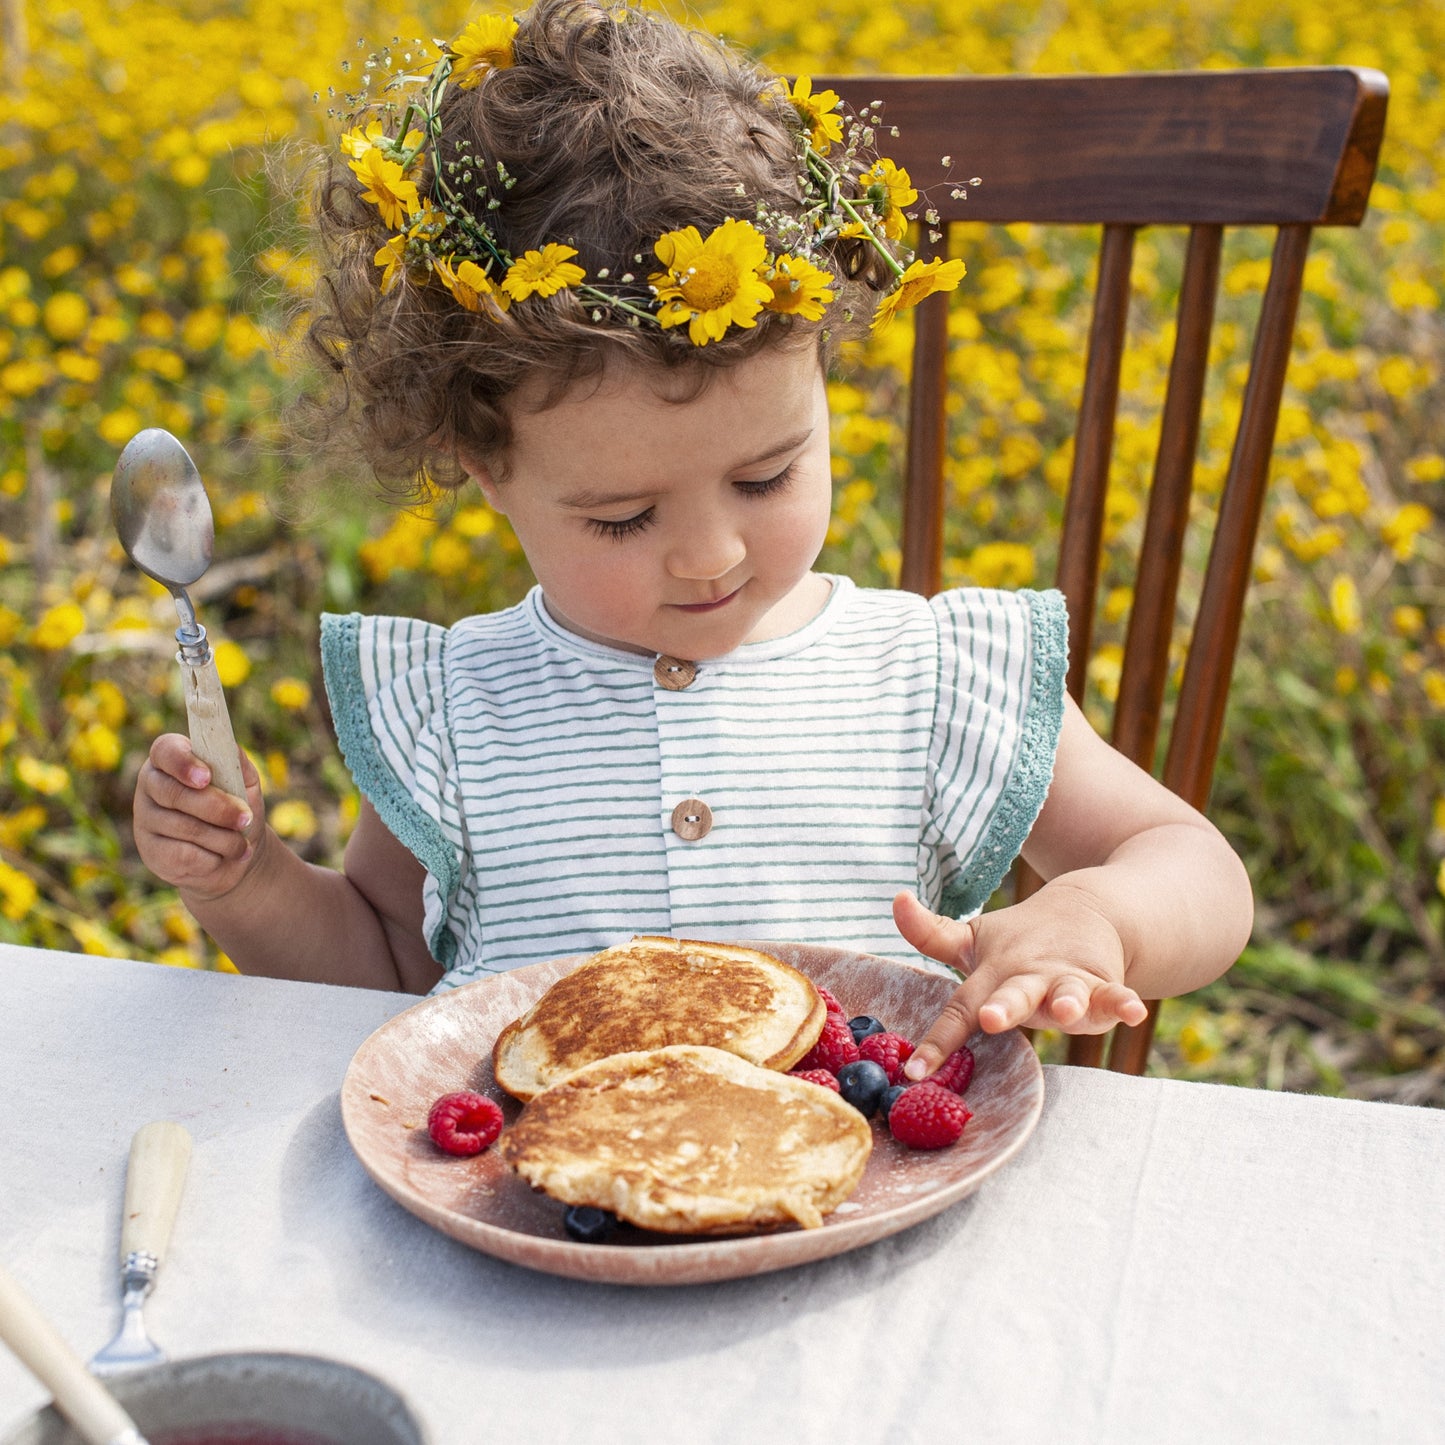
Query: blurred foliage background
{"points": [[151, 266]]}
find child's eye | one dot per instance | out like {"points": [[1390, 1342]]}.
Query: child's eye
{"points": [[768, 485], [627, 527]]}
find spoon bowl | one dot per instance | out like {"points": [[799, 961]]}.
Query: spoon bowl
{"points": [[160, 509]]}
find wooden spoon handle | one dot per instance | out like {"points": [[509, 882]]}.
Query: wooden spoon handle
{"points": [[78, 1395], [212, 740], [159, 1156]]}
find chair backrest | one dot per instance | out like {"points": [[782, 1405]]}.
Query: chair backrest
{"points": [[1288, 148]]}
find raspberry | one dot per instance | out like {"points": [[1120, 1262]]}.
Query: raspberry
{"points": [[815, 1076], [835, 1047], [890, 1050], [464, 1123], [829, 1002], [955, 1071], [928, 1117]]}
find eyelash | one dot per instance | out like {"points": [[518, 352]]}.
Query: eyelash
{"points": [[631, 526]]}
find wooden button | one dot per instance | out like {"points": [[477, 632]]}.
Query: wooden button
{"points": [[674, 673], [692, 819]]}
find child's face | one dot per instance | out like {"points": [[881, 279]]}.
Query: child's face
{"points": [[677, 527]]}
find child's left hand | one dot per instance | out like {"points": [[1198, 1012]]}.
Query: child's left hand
{"points": [[1053, 961]]}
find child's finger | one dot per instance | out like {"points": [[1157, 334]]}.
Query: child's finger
{"points": [[1068, 1001], [945, 939], [949, 1031], [172, 755], [1117, 1003], [1013, 1002]]}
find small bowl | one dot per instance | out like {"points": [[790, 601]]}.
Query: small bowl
{"points": [[298, 1399]]}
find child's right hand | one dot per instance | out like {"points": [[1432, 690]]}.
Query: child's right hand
{"points": [[189, 834]]}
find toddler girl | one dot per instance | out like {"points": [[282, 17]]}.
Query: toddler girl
{"points": [[596, 265]]}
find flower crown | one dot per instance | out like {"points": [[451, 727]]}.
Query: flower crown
{"points": [[707, 283]]}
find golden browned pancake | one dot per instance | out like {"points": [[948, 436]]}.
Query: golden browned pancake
{"points": [[691, 1140], [658, 991]]}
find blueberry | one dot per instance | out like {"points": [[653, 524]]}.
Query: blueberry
{"points": [[863, 1085], [587, 1224], [865, 1026], [890, 1098]]}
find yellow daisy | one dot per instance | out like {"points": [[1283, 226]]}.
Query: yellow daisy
{"points": [[886, 190], [921, 279], [484, 46], [469, 284], [356, 142], [392, 258], [818, 113], [799, 288], [385, 185], [714, 283], [543, 272]]}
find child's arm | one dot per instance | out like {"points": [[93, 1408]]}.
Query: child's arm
{"points": [[1144, 899], [272, 912]]}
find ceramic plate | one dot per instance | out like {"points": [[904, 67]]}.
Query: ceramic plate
{"points": [[445, 1043]]}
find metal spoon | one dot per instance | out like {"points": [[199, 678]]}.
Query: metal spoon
{"points": [[163, 519], [79, 1396]]}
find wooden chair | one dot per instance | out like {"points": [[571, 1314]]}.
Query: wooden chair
{"points": [[1287, 148]]}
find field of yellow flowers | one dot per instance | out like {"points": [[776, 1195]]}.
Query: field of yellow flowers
{"points": [[151, 263]]}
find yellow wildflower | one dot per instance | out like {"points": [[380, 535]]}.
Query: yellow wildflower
{"points": [[385, 185], [470, 285], [58, 627], [45, 778], [542, 273], [799, 287], [1400, 530], [93, 938], [484, 46], [17, 828], [818, 113], [922, 278], [1002, 564], [232, 665], [356, 142], [711, 284], [18, 893], [294, 818], [66, 315], [95, 749], [1345, 604], [885, 189], [392, 258], [291, 693]]}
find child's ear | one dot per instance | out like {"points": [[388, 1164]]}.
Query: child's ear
{"points": [[483, 476]]}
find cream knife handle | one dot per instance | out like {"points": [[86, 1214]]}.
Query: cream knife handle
{"points": [[159, 1156], [212, 739], [79, 1396]]}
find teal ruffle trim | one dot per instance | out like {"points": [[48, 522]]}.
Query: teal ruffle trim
{"points": [[413, 827], [1033, 767]]}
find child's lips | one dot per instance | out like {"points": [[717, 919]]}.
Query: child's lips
{"points": [[712, 606]]}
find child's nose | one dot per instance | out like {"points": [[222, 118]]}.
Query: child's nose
{"points": [[706, 554]]}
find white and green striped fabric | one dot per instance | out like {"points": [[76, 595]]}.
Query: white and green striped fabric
{"points": [[890, 743]]}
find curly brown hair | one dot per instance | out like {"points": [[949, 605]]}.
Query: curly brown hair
{"points": [[614, 126]]}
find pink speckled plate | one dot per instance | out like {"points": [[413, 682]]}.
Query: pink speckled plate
{"points": [[445, 1043]]}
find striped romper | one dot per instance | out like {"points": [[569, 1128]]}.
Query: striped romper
{"points": [[564, 795]]}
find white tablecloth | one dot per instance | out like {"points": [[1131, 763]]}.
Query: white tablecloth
{"points": [[1162, 1262]]}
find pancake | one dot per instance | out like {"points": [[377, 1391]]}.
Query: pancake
{"points": [[691, 1140], [653, 992]]}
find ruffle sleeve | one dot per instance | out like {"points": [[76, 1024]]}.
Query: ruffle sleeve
{"points": [[999, 709], [386, 682]]}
